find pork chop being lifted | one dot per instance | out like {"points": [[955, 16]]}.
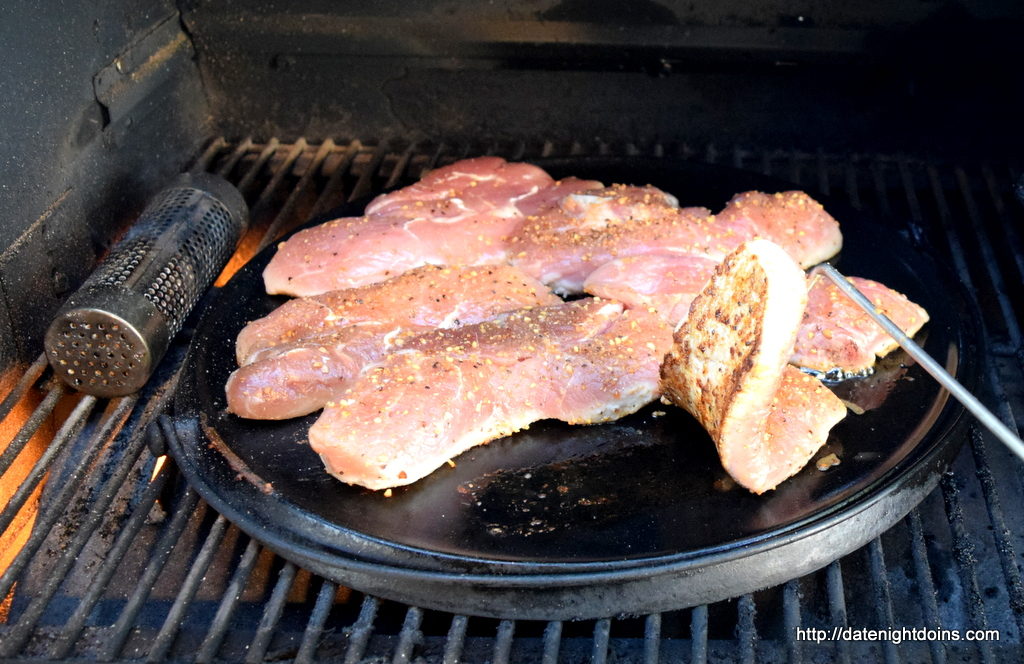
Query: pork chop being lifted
{"points": [[446, 391], [728, 368], [835, 334], [295, 360]]}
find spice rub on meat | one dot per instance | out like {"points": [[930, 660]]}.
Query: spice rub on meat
{"points": [[665, 282], [446, 391], [459, 214], [728, 368], [791, 219], [568, 242], [295, 360], [835, 334]]}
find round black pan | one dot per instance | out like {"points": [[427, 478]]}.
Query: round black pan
{"points": [[570, 522]]}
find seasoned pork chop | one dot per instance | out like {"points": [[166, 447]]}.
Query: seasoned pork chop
{"points": [[564, 245], [728, 368], [429, 296], [791, 219], [665, 282], [296, 359], [836, 334], [456, 215], [446, 391]]}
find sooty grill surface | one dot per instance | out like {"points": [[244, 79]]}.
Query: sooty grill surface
{"points": [[105, 554]]}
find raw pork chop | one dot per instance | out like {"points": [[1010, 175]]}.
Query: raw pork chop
{"points": [[728, 368], [456, 215], [664, 282], [428, 296], [564, 245], [297, 358], [446, 391], [834, 334], [791, 219]]}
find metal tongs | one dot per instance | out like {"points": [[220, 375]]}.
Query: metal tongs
{"points": [[959, 392]]}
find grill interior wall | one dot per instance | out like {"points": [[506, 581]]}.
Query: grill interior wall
{"points": [[125, 562]]}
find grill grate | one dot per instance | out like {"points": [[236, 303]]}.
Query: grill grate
{"points": [[111, 557]]}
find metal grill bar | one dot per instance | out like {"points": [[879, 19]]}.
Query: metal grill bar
{"points": [[20, 389], [229, 164], [257, 166], [72, 426], [409, 637], [882, 596], [62, 647], [746, 612], [1002, 213], [699, 634], [399, 168], [791, 620], [208, 649], [503, 641], [994, 273], [272, 613], [552, 641], [963, 553], [286, 217], [67, 432], [652, 638], [205, 159], [602, 634], [27, 622], [30, 427], [962, 545], [837, 606], [279, 175], [364, 185], [360, 633], [159, 555], [455, 640], [923, 576], [315, 626], [333, 190], [1003, 406], [169, 629], [1004, 542]]}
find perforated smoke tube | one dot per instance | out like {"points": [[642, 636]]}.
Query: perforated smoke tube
{"points": [[110, 335]]}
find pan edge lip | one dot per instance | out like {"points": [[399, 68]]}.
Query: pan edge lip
{"points": [[679, 563]]}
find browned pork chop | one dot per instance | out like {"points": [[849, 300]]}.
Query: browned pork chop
{"points": [[728, 368]]}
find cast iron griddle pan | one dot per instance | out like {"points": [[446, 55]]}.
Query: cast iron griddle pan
{"points": [[562, 522]]}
